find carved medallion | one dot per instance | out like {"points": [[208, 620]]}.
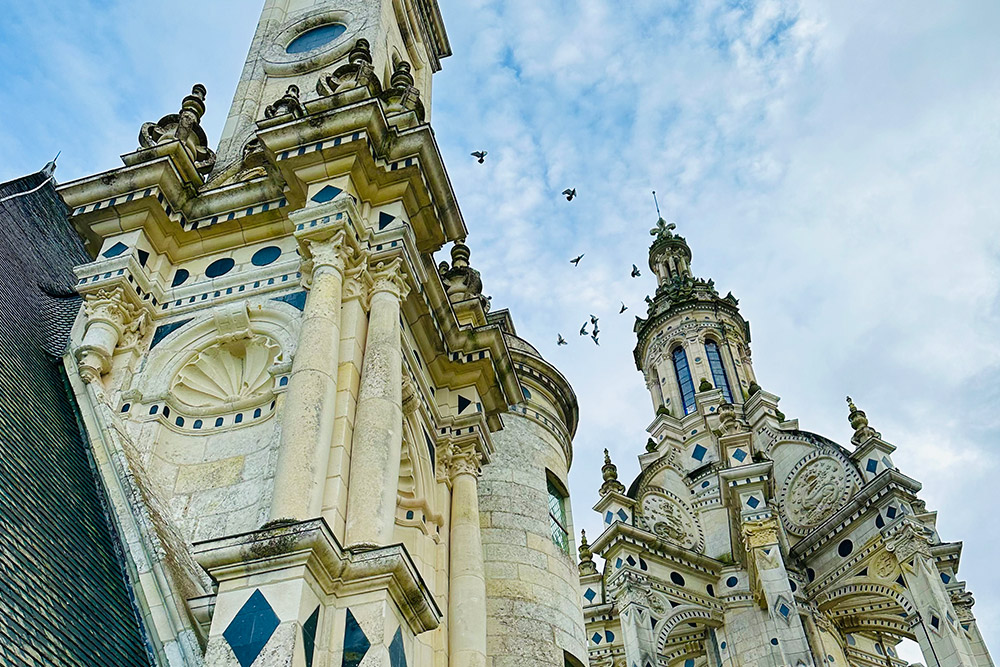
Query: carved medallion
{"points": [[883, 566], [666, 516], [817, 486]]}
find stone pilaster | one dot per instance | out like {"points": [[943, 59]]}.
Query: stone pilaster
{"points": [[632, 598], [935, 622], [378, 426], [309, 413], [962, 600], [772, 588], [467, 592]]}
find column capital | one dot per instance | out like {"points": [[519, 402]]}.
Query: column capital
{"points": [[110, 305], [332, 253], [909, 540], [390, 276], [464, 460], [763, 533]]}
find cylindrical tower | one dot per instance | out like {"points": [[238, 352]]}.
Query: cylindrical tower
{"points": [[532, 589], [692, 339]]}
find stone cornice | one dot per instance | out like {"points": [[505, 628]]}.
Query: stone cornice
{"points": [[339, 572], [621, 534]]}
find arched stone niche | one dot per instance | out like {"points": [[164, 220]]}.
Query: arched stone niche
{"points": [[209, 425]]}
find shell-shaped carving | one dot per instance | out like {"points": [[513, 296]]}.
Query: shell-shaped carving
{"points": [[227, 373]]}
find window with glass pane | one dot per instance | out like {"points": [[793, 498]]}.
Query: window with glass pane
{"points": [[719, 378], [683, 372], [557, 517]]}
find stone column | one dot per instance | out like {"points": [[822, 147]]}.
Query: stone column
{"points": [[467, 591], [307, 425], [109, 313], [934, 623], [378, 425]]}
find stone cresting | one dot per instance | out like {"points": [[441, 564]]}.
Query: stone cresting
{"points": [[332, 451], [746, 541]]}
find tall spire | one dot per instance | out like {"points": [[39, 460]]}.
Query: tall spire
{"points": [[586, 556]]}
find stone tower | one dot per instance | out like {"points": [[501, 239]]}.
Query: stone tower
{"points": [[319, 444], [745, 541]]}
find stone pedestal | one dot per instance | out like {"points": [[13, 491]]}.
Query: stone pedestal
{"points": [[307, 426], [378, 428], [290, 595], [467, 592]]}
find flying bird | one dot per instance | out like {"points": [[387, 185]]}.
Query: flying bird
{"points": [[596, 331], [635, 271], [593, 320], [576, 260], [570, 193], [560, 340], [480, 155], [583, 329], [594, 338], [624, 308]]}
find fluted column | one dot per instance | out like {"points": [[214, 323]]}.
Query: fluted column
{"points": [[467, 592], [307, 425], [378, 425]]}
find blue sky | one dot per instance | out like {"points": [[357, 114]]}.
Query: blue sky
{"points": [[834, 163]]}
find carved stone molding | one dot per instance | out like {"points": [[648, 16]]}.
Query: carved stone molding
{"points": [[909, 540], [763, 533]]}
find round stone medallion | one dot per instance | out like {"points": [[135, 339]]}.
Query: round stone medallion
{"points": [[816, 487], [666, 516]]}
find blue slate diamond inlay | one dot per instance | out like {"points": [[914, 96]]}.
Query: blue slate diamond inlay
{"points": [[622, 515], [250, 629], [397, 655], [699, 453], [596, 638], [784, 610], [590, 595], [740, 455], [309, 636], [356, 644], [384, 220], [329, 193], [753, 502], [872, 465], [115, 250]]}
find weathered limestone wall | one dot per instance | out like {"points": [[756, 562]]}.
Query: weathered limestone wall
{"points": [[531, 583]]}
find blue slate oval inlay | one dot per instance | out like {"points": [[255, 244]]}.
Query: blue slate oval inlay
{"points": [[266, 256], [220, 267], [315, 38]]}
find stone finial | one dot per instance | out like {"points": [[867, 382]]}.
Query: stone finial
{"points": [[610, 473], [859, 422], [461, 281], [185, 127], [287, 104], [360, 53], [663, 229], [586, 556], [401, 77]]}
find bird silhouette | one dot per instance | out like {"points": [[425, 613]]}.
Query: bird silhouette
{"points": [[596, 342], [480, 155], [560, 340], [635, 271], [583, 329], [593, 320], [624, 308], [596, 331], [576, 260], [570, 193]]}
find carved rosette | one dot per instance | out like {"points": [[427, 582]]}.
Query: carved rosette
{"points": [[817, 486], [665, 515]]}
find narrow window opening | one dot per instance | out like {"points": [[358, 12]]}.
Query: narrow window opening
{"points": [[719, 378], [683, 372]]}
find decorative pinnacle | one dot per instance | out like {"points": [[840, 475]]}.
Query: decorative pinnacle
{"points": [[586, 556], [195, 102], [361, 53], [460, 254], [610, 473], [401, 77], [859, 422]]}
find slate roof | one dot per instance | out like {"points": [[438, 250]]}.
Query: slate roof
{"points": [[64, 597]]}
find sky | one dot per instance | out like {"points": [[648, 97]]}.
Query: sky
{"points": [[834, 163]]}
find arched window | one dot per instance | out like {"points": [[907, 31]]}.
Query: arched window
{"points": [[719, 378], [557, 516], [683, 372]]}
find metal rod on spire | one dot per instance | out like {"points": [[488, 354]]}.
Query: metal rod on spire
{"points": [[657, 205]]}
